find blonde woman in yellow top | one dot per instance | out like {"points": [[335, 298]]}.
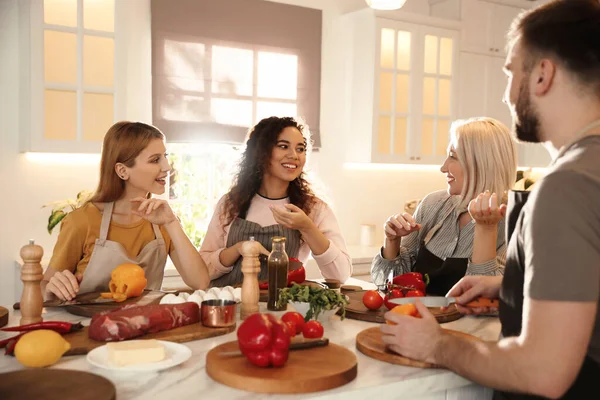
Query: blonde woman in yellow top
{"points": [[121, 223]]}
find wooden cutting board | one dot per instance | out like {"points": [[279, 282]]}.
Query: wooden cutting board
{"points": [[357, 310], [3, 316], [306, 371], [369, 343], [55, 384], [82, 344]]}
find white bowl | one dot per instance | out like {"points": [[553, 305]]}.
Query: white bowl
{"points": [[324, 316]]}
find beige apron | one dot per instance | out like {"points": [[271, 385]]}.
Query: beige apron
{"points": [[108, 255]]}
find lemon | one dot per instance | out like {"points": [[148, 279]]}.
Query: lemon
{"points": [[41, 348]]}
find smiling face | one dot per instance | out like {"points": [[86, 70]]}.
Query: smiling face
{"points": [[288, 156], [454, 172], [150, 171]]}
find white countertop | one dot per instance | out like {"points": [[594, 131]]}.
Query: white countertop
{"points": [[375, 378]]}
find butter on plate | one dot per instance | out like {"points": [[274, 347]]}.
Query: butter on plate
{"points": [[131, 352]]}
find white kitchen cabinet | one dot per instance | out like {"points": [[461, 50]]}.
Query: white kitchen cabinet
{"points": [[404, 80], [484, 22]]}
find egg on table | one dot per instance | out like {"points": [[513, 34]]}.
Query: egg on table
{"points": [[226, 295], [210, 296], [168, 299], [184, 295], [194, 298]]}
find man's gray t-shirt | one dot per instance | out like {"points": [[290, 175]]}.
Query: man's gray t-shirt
{"points": [[561, 232]]}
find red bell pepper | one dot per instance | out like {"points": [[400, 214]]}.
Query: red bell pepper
{"points": [[264, 340], [413, 280], [298, 275]]}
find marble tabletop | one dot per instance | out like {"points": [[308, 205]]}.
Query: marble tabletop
{"points": [[190, 381]]}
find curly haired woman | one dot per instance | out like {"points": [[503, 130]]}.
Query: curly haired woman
{"points": [[271, 197]]}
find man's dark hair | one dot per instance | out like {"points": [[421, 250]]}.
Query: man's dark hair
{"points": [[567, 31]]}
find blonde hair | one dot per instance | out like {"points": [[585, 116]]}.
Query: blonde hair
{"points": [[487, 154], [123, 142]]}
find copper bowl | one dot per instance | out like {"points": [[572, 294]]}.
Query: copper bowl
{"points": [[218, 313]]}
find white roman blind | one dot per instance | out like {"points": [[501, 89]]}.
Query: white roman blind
{"points": [[218, 67]]}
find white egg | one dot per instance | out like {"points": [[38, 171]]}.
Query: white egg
{"points": [[210, 296], [194, 298], [178, 300], [237, 294], [184, 295], [215, 291], [200, 293], [226, 295], [229, 288], [168, 299]]}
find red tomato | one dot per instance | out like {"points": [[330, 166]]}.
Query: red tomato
{"points": [[312, 330], [372, 299], [394, 293], [414, 293], [291, 327], [295, 317]]}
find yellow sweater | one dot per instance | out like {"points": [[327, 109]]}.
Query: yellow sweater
{"points": [[80, 229]]}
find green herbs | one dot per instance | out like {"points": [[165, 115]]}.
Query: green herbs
{"points": [[319, 299]]}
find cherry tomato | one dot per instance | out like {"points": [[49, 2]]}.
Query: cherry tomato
{"points": [[394, 293], [372, 299], [291, 327], [415, 293], [312, 330], [295, 317]]}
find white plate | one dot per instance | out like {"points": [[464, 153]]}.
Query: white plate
{"points": [[175, 354]]}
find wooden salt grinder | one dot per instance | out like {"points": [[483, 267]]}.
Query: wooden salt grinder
{"points": [[250, 269], [31, 276]]}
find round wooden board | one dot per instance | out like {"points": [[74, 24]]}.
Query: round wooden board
{"points": [[357, 310], [3, 316], [55, 384], [306, 371], [369, 343]]}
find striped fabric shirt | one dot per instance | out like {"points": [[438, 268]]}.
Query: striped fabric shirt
{"points": [[441, 234]]}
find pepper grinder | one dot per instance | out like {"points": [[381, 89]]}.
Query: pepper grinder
{"points": [[31, 276], [250, 268]]}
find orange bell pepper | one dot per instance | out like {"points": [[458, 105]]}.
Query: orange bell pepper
{"points": [[127, 280]]}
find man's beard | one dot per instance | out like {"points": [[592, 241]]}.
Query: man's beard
{"points": [[526, 125]]}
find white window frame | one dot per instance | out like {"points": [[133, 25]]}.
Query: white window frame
{"points": [[33, 82]]}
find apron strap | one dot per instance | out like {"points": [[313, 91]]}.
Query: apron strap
{"points": [[106, 216], [157, 232]]}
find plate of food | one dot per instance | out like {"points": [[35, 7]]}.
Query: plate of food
{"points": [[139, 355]]}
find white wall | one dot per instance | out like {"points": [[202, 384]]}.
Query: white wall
{"points": [[357, 196]]}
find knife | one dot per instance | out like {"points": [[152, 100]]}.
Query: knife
{"points": [[63, 303], [441, 301], [304, 344]]}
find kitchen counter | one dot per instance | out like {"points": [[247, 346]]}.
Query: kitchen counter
{"points": [[375, 378]]}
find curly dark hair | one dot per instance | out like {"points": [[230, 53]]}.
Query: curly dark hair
{"points": [[262, 138]]}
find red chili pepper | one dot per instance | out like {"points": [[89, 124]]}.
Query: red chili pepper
{"points": [[57, 326], [10, 346], [10, 343], [264, 340], [413, 280]]}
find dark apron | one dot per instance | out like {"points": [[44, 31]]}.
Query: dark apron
{"points": [[240, 231], [511, 303], [443, 274]]}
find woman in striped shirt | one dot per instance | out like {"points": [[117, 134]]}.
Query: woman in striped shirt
{"points": [[440, 239]]}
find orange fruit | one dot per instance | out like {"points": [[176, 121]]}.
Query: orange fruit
{"points": [[404, 309]]}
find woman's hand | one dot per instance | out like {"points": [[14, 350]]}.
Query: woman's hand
{"points": [[484, 209], [292, 217], [400, 225], [155, 211], [63, 284]]}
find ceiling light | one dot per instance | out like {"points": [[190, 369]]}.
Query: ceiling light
{"points": [[385, 4]]}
